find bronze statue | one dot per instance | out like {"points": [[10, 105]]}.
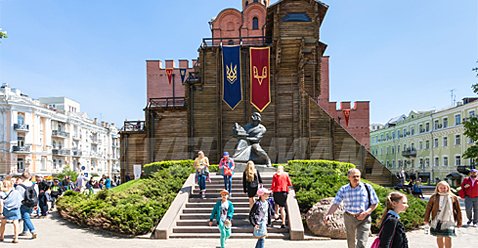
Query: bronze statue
{"points": [[248, 147]]}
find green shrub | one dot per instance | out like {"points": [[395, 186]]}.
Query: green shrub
{"points": [[314, 180], [151, 168], [132, 208]]}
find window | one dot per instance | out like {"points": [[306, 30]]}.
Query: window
{"points": [[398, 149], [457, 119], [457, 160], [420, 145], [421, 163], [435, 142], [471, 113], [445, 122], [435, 125], [457, 139], [247, 3], [420, 127], [445, 161], [393, 135], [427, 127], [413, 146], [21, 118], [20, 165], [393, 163], [21, 141], [436, 162], [393, 149], [445, 141], [412, 131], [43, 163], [427, 162], [255, 23], [427, 144]]}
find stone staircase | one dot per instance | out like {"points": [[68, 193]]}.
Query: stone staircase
{"points": [[192, 220]]}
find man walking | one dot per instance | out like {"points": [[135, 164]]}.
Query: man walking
{"points": [[470, 188], [360, 200], [25, 189]]}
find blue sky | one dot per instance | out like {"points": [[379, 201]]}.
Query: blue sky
{"points": [[400, 55]]}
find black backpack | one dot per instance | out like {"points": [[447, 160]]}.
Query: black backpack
{"points": [[30, 198]]}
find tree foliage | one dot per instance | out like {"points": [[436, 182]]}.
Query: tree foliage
{"points": [[471, 127], [3, 34]]}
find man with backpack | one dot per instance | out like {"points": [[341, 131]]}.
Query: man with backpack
{"points": [[29, 192]]}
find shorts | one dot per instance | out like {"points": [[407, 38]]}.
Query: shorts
{"points": [[280, 198], [251, 192], [12, 214]]}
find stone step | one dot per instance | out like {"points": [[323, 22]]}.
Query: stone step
{"points": [[214, 198], [205, 216], [235, 229], [208, 211], [211, 204], [233, 236], [236, 222]]}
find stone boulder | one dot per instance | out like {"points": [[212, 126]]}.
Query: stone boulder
{"points": [[335, 228]]}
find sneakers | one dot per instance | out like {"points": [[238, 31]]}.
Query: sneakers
{"points": [[475, 225], [468, 223], [23, 234], [34, 235]]}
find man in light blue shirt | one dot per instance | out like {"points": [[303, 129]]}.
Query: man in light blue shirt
{"points": [[360, 200]]}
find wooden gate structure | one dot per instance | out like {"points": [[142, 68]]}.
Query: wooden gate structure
{"points": [[297, 126]]}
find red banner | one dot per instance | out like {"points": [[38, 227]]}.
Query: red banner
{"points": [[260, 77], [169, 73], [347, 116]]}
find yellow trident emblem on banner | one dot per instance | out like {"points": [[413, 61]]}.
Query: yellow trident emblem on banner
{"points": [[260, 77], [231, 73]]}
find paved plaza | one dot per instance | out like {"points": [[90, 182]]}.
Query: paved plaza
{"points": [[54, 231]]}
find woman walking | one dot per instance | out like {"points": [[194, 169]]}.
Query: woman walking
{"points": [[280, 188], [201, 165], [11, 203], [260, 216], [227, 166], [222, 212], [392, 232], [251, 179], [445, 212]]}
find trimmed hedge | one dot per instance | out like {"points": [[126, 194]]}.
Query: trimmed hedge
{"points": [[133, 208], [314, 180]]}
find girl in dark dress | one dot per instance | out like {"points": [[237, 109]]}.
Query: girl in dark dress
{"points": [[392, 232], [251, 179]]}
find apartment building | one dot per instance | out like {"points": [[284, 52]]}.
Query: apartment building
{"points": [[428, 143], [45, 135]]}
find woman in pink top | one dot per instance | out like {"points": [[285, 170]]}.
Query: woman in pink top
{"points": [[280, 188]]}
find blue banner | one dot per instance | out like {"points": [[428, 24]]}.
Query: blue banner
{"points": [[182, 72], [231, 69]]}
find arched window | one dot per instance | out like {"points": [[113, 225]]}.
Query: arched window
{"points": [[256, 1], [255, 23]]}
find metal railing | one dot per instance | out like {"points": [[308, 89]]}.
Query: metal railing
{"points": [[21, 127], [21, 149], [243, 41], [60, 152], [167, 102], [410, 152], [59, 133], [133, 126]]}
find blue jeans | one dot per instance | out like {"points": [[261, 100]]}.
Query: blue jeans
{"points": [[27, 222], [260, 243], [202, 181], [228, 183]]}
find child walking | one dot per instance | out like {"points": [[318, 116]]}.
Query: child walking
{"points": [[445, 212], [392, 232], [222, 212], [261, 216]]}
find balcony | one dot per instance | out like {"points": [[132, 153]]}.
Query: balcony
{"points": [[243, 41], [76, 153], [409, 152], [133, 126], [21, 127], [21, 149], [60, 152], [167, 102], [59, 134]]}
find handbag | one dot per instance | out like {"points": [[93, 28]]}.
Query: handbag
{"points": [[227, 171], [376, 242], [260, 232]]}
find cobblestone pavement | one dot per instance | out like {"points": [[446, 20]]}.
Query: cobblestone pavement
{"points": [[57, 232]]}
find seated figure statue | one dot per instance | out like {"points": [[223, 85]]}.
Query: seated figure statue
{"points": [[248, 147]]}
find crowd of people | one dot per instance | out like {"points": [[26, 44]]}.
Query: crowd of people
{"points": [[27, 196]]}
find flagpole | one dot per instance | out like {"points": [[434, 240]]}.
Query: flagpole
{"points": [[174, 95]]}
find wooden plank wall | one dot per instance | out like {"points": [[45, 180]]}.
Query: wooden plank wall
{"points": [[133, 151]]}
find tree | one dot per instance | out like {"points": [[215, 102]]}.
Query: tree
{"points": [[3, 34], [471, 127]]}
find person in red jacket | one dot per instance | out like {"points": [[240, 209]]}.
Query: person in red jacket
{"points": [[470, 188], [280, 188]]}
